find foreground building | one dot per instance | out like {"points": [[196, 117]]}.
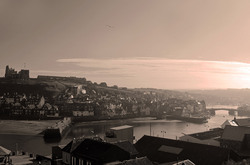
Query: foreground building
{"points": [[237, 139], [242, 122], [211, 137], [4, 155], [92, 152], [161, 150], [120, 133]]}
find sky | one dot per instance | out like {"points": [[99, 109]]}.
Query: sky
{"points": [[165, 44]]}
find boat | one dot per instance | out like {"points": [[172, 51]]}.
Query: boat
{"points": [[191, 119], [57, 131]]}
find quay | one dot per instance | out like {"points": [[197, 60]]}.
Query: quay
{"points": [[58, 130]]}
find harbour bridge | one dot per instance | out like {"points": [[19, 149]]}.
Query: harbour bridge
{"points": [[231, 110]]}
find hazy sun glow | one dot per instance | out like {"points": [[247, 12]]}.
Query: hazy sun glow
{"points": [[167, 44], [158, 72]]}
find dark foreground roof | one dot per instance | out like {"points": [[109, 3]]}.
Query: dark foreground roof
{"points": [[100, 152], [71, 146], [213, 133], [162, 150], [127, 146], [243, 122], [235, 133]]}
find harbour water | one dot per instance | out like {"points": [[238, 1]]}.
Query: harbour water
{"points": [[142, 126]]}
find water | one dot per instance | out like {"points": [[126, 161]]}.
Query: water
{"points": [[162, 128]]}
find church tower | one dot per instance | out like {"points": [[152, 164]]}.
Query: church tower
{"points": [[7, 71]]}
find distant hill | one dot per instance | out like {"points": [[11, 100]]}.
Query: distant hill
{"points": [[165, 93], [52, 88], [222, 96]]}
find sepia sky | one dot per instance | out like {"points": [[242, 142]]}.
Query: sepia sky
{"points": [[167, 44]]}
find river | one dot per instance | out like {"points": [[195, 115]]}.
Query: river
{"points": [[172, 129]]}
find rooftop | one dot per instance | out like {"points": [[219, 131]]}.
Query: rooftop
{"points": [[235, 133], [213, 133], [243, 122], [127, 146], [21, 159], [96, 151], [4, 151], [162, 150]]}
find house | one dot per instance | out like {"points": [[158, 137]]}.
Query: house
{"points": [[57, 152], [49, 110], [68, 149], [92, 152], [210, 137], [83, 113], [242, 122], [237, 139], [162, 150], [229, 122], [79, 109], [145, 110], [4, 155]]}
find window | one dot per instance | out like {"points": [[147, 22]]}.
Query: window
{"points": [[80, 162], [74, 161], [88, 163]]}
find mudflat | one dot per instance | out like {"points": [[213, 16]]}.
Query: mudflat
{"points": [[24, 127]]}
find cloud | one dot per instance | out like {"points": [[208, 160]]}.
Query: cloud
{"points": [[164, 73], [160, 64]]}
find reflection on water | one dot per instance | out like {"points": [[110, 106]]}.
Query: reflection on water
{"points": [[168, 128], [147, 126], [222, 113]]}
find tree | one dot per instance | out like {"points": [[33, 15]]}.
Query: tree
{"points": [[115, 87], [103, 84]]}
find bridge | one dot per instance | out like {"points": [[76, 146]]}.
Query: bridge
{"points": [[231, 111]]}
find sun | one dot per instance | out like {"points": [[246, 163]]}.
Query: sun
{"points": [[241, 76]]}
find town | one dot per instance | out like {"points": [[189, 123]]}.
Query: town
{"points": [[83, 101], [124, 82]]}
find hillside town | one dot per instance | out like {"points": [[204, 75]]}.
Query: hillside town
{"points": [[73, 103], [83, 101], [86, 101]]}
